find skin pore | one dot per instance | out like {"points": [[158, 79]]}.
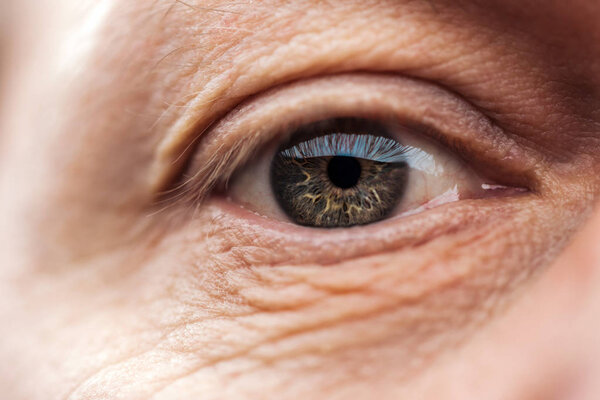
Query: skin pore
{"points": [[126, 274]]}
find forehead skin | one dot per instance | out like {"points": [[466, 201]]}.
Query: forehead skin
{"points": [[106, 299]]}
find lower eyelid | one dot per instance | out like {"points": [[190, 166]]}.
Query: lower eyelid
{"points": [[301, 245]]}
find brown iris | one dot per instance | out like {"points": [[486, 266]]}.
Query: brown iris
{"points": [[336, 190]]}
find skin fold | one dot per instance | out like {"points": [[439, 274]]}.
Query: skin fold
{"points": [[127, 272]]}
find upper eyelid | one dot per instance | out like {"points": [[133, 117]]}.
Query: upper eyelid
{"points": [[462, 57], [413, 100], [261, 63]]}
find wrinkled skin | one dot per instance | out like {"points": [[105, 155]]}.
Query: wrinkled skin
{"points": [[107, 292]]}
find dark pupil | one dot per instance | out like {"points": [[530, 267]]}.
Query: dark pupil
{"points": [[344, 172]]}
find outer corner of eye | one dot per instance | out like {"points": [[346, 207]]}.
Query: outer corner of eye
{"points": [[344, 172]]}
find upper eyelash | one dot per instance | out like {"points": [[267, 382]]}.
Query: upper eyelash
{"points": [[370, 147]]}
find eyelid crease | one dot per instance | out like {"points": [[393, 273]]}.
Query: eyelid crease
{"points": [[409, 102]]}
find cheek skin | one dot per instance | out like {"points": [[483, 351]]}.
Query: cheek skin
{"points": [[240, 318]]}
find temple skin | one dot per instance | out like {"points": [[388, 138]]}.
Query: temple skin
{"points": [[105, 294]]}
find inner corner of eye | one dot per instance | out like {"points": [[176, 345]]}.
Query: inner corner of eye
{"points": [[348, 171]]}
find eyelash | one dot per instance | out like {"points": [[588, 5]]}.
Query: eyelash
{"points": [[454, 124], [363, 146]]}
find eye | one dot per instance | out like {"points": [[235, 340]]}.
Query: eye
{"points": [[375, 148], [347, 171]]}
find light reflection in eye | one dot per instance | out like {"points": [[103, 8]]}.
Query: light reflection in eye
{"points": [[366, 146], [424, 162]]}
